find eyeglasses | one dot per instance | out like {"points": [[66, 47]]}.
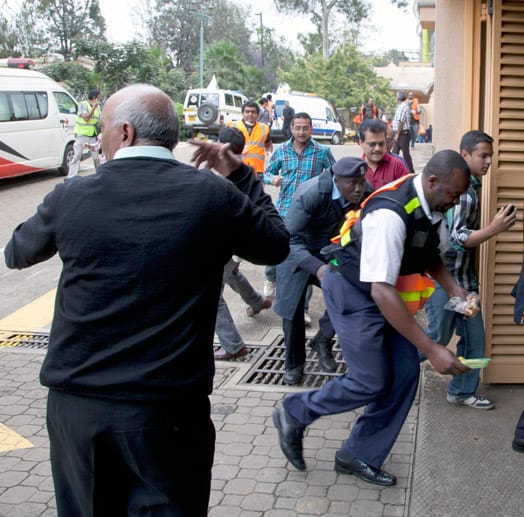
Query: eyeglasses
{"points": [[376, 144]]}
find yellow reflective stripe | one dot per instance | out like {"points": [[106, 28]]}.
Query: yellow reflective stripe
{"points": [[345, 239], [412, 205], [415, 296]]}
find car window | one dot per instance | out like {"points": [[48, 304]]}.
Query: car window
{"points": [[238, 101], [229, 99], [329, 115], [210, 98], [279, 106], [192, 99], [65, 103], [5, 110]]}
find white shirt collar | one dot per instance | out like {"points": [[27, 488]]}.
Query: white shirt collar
{"points": [[148, 151]]}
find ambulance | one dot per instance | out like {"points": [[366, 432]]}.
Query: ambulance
{"points": [[37, 119], [326, 123]]}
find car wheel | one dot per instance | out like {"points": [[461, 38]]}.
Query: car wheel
{"points": [[69, 152], [336, 139], [207, 113]]}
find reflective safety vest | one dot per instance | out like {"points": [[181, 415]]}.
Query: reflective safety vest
{"points": [[414, 288], [254, 153], [87, 128]]}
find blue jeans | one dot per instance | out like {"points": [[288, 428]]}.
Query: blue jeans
{"points": [[441, 325]]}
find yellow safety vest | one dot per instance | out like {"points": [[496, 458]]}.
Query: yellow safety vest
{"points": [[87, 128]]}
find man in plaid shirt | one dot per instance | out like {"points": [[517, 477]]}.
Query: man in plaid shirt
{"points": [[465, 236], [401, 128], [295, 161]]}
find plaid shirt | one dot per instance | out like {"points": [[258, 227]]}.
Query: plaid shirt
{"points": [[402, 114], [463, 219], [296, 168]]}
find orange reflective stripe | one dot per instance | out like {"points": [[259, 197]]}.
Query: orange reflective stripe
{"points": [[414, 290]]}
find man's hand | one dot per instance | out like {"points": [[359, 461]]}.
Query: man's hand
{"points": [[320, 272], [504, 219], [445, 361], [276, 181], [216, 156]]}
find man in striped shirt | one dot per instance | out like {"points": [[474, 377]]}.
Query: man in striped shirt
{"points": [[465, 236]]}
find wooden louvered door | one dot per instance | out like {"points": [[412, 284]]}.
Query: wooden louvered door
{"points": [[501, 257]]}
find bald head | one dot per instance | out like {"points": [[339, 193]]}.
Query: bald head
{"points": [[139, 114]]}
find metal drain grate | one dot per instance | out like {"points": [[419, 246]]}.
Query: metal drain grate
{"points": [[269, 369], [24, 339]]}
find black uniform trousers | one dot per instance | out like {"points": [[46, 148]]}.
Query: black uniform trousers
{"points": [[295, 331], [114, 458], [382, 374]]}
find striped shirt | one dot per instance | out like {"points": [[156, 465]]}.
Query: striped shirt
{"points": [[296, 168], [463, 219]]}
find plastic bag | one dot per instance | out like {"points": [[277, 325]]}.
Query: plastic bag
{"points": [[469, 306]]}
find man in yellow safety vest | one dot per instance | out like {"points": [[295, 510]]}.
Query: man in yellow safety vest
{"points": [[86, 130]]}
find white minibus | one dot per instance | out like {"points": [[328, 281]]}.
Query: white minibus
{"points": [[37, 119]]}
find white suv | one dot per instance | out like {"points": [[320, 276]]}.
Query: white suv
{"points": [[207, 110]]}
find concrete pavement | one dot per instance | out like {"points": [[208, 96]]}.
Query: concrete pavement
{"points": [[449, 461]]}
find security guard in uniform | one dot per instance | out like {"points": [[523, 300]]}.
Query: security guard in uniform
{"points": [[86, 130], [398, 234]]}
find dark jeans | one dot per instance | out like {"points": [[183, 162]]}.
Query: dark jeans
{"points": [[295, 333], [403, 144], [118, 458]]}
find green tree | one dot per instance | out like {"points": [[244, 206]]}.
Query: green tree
{"points": [[68, 21], [345, 78], [33, 36], [77, 78], [321, 10], [9, 42]]}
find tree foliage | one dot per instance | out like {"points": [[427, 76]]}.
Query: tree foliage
{"points": [[56, 24], [346, 78], [320, 12]]}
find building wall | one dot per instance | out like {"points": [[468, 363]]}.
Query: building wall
{"points": [[449, 77]]}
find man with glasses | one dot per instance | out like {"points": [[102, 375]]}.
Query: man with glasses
{"points": [[382, 166]]}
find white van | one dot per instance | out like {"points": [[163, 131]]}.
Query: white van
{"points": [[326, 124], [206, 110], [37, 120]]}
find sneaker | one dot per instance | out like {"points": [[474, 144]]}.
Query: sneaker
{"points": [[474, 401], [269, 289], [307, 319]]}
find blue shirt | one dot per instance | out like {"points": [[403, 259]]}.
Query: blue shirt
{"points": [[296, 168]]}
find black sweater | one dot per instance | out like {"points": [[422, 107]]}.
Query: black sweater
{"points": [[143, 243]]}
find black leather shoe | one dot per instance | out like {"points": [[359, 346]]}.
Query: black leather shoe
{"points": [[293, 375], [345, 464], [518, 442], [290, 438], [323, 347]]}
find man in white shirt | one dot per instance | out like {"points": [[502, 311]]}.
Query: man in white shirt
{"points": [[369, 298]]}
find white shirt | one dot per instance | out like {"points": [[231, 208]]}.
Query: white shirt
{"points": [[383, 236]]}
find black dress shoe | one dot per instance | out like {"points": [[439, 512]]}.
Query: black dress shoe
{"points": [[226, 356], [345, 464], [518, 441], [290, 438], [323, 348], [293, 375]]}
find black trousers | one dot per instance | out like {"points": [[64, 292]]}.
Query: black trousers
{"points": [[114, 458], [403, 145]]}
